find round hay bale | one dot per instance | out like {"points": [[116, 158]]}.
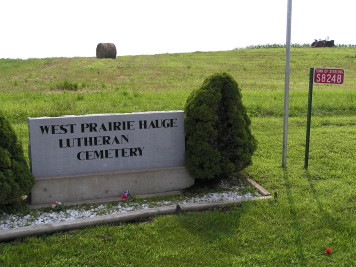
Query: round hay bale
{"points": [[106, 50]]}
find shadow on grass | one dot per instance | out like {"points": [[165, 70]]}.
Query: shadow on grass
{"points": [[327, 218], [295, 221], [212, 226]]}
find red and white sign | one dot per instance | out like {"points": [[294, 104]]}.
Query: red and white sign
{"points": [[329, 76]]}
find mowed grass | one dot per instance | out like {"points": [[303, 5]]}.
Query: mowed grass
{"points": [[312, 209]]}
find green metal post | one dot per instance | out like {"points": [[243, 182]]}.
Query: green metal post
{"points": [[310, 98]]}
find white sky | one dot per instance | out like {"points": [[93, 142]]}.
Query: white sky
{"points": [[73, 28]]}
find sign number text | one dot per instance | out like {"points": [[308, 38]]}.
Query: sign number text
{"points": [[329, 76]]}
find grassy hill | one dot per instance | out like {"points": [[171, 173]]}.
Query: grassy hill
{"points": [[160, 82], [314, 208]]}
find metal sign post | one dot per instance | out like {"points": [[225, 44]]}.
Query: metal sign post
{"points": [[325, 76], [310, 96]]}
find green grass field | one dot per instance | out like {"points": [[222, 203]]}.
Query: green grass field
{"points": [[314, 209]]}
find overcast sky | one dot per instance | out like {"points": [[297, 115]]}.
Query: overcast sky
{"points": [[73, 28]]}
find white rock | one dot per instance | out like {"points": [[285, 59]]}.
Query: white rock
{"points": [[13, 221]]}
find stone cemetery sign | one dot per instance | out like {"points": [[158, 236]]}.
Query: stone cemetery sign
{"points": [[104, 143], [90, 145]]}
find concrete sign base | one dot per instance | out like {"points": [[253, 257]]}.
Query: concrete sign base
{"points": [[94, 187]]}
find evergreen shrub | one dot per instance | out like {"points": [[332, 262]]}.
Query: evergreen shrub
{"points": [[16, 179], [219, 141]]}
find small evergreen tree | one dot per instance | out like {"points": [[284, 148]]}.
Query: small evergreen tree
{"points": [[218, 138], [16, 179]]}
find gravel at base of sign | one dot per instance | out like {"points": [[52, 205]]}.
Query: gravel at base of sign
{"points": [[38, 218]]}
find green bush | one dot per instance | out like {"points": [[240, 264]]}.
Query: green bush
{"points": [[16, 179], [218, 138]]}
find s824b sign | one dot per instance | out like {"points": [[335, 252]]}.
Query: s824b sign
{"points": [[329, 76]]}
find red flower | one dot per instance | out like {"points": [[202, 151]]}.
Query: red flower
{"points": [[328, 251], [125, 195]]}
